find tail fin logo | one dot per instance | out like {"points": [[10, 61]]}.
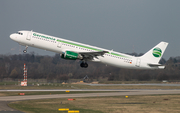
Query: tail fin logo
{"points": [[157, 52]]}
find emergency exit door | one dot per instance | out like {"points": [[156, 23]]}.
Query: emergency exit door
{"points": [[29, 35], [138, 62], [59, 45]]}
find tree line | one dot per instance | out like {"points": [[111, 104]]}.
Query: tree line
{"points": [[53, 67]]}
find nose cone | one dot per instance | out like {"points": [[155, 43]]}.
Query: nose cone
{"points": [[12, 36]]}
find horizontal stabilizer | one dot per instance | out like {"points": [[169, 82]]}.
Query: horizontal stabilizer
{"points": [[159, 66], [155, 65]]}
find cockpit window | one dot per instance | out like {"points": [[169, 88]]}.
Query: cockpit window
{"points": [[19, 33]]}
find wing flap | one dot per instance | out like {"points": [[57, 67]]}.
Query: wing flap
{"points": [[91, 55]]}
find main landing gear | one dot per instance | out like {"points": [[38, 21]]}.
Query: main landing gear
{"points": [[25, 51], [84, 65]]}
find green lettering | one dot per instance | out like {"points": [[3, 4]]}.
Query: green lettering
{"points": [[43, 36], [34, 34]]}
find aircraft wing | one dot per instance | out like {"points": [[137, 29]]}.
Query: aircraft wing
{"points": [[91, 55]]}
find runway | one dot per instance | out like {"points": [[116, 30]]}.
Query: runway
{"points": [[117, 93], [78, 90], [143, 84], [25, 90], [4, 108]]}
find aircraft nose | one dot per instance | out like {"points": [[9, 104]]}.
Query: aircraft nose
{"points": [[12, 36]]}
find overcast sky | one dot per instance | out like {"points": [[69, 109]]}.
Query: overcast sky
{"points": [[122, 25]]}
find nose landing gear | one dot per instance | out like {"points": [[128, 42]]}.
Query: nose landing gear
{"points": [[25, 51]]}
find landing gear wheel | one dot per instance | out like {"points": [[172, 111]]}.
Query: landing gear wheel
{"points": [[24, 51], [84, 65]]}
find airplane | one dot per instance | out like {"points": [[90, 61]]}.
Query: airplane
{"points": [[77, 51]]}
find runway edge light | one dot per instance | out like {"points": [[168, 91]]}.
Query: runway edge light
{"points": [[21, 93], [63, 109], [73, 111], [71, 99]]}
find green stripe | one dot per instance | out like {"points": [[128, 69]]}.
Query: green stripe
{"points": [[78, 45], [157, 52], [89, 48], [119, 55]]}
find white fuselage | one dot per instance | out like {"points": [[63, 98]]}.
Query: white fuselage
{"points": [[59, 45]]}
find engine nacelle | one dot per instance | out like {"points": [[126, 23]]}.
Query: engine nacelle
{"points": [[71, 55]]}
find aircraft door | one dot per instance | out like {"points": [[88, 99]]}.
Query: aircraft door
{"points": [[29, 35], [59, 45], [138, 62]]}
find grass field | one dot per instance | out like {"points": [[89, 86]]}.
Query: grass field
{"points": [[119, 104], [46, 92]]}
